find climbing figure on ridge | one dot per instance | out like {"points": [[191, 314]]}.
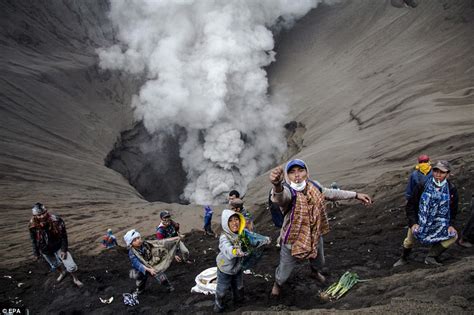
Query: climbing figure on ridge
{"points": [[402, 3]]}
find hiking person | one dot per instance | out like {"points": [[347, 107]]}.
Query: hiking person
{"points": [[406, 3], [49, 239], [467, 237], [237, 205], [421, 173], [169, 229], [234, 244], [431, 211], [207, 220], [109, 240], [150, 258], [302, 201], [233, 194]]}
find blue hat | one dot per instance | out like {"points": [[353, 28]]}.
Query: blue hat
{"points": [[295, 162]]}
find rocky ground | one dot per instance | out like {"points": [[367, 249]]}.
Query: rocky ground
{"points": [[363, 239]]}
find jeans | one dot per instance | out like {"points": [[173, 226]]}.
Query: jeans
{"points": [[288, 262], [141, 279], [226, 282]]}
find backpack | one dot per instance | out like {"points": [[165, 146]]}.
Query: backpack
{"points": [[277, 215]]}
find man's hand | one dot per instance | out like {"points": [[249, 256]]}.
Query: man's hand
{"points": [[171, 239], [364, 198], [276, 176], [415, 228], [452, 230], [177, 258], [63, 255], [151, 271]]}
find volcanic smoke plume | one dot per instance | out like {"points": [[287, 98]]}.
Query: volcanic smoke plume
{"points": [[203, 63]]}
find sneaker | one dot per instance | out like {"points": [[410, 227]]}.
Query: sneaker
{"points": [[400, 262], [432, 261], [170, 288], [465, 244], [62, 275], [78, 283]]}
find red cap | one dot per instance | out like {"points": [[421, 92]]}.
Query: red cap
{"points": [[423, 158]]}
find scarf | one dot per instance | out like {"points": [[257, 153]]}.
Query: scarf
{"points": [[48, 224], [433, 214], [156, 254], [308, 221], [424, 168]]}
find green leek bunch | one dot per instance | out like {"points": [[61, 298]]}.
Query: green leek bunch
{"points": [[338, 289]]}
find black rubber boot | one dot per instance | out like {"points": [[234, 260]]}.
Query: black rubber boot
{"points": [[433, 255], [239, 296], [404, 258], [219, 305]]}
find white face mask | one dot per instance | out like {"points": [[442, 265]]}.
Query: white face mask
{"points": [[438, 183], [298, 186]]}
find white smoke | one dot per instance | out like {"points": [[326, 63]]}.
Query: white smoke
{"points": [[204, 61]]}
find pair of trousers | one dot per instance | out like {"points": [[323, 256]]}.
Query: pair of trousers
{"points": [[55, 260], [288, 262], [409, 241], [141, 279], [226, 282]]}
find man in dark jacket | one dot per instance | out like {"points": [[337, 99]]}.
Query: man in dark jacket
{"points": [[431, 211], [49, 239], [421, 173], [168, 229]]}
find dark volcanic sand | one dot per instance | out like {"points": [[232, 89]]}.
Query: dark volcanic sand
{"points": [[365, 240]]}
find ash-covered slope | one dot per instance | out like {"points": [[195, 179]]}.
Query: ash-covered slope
{"points": [[372, 84], [59, 117], [376, 85]]}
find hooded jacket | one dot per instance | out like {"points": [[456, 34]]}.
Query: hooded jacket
{"points": [[227, 261]]}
